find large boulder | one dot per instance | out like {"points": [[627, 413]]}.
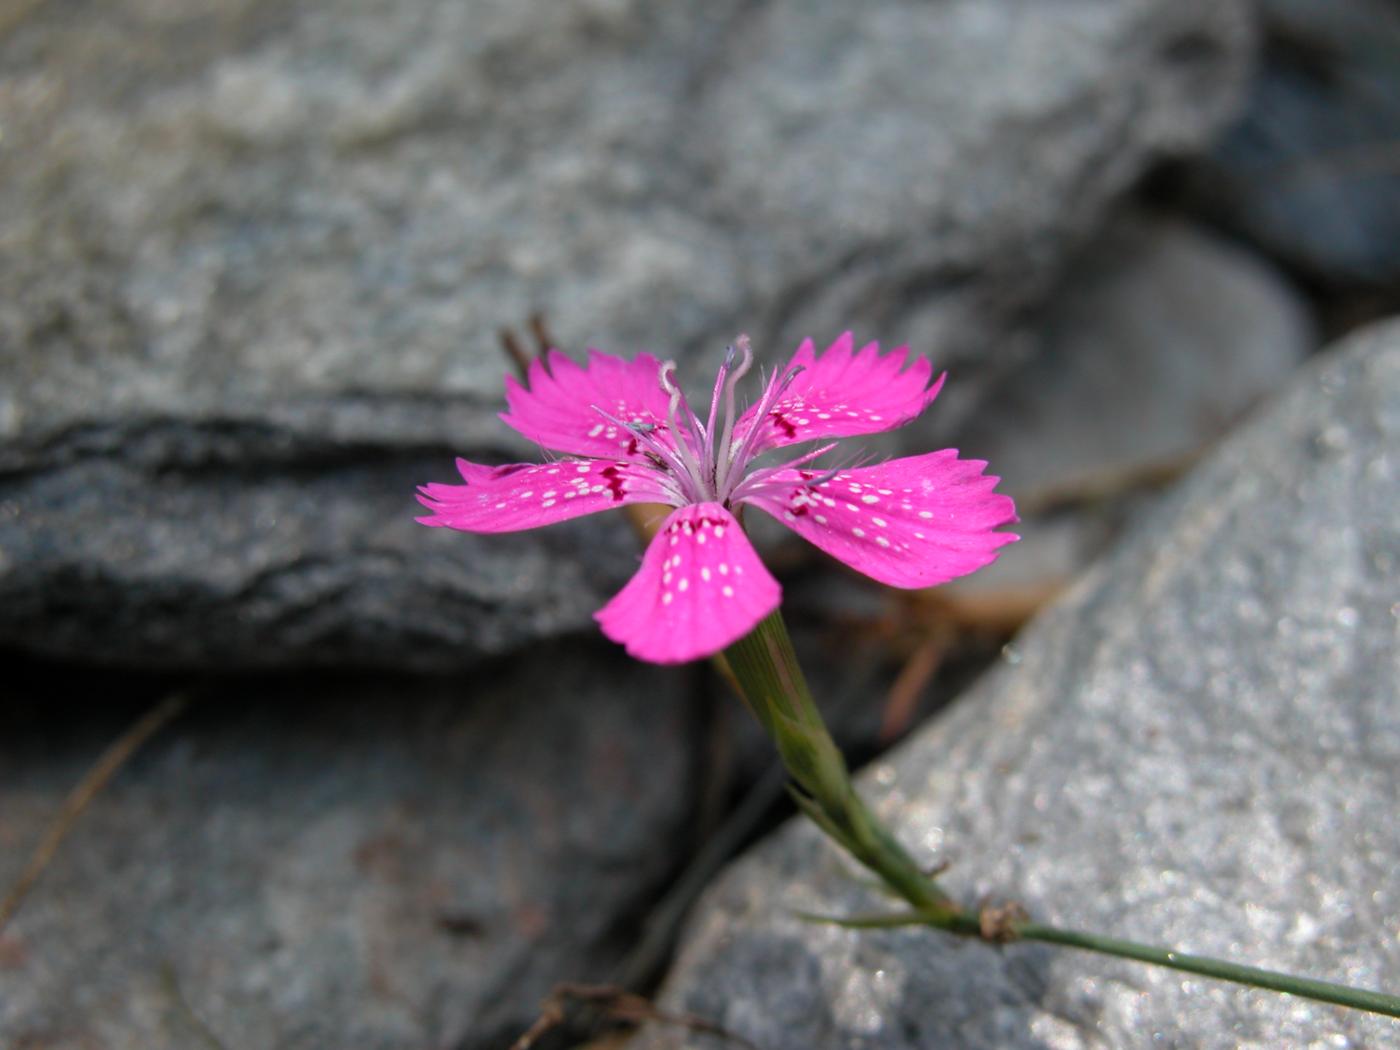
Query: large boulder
{"points": [[1199, 747], [254, 256], [382, 864], [1160, 339]]}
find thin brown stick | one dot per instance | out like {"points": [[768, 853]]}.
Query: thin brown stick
{"points": [[88, 788], [616, 1004], [913, 679], [510, 346], [1107, 483], [544, 339], [514, 348]]}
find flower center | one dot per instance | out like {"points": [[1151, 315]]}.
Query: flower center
{"points": [[712, 462], [706, 462]]}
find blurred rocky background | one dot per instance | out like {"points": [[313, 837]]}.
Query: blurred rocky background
{"points": [[263, 267]]}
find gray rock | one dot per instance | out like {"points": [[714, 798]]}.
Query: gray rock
{"points": [[219, 219], [1160, 339], [1310, 171], [379, 864], [257, 542], [1199, 747]]}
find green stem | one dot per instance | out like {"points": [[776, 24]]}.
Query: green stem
{"points": [[765, 668], [771, 680], [1252, 976]]}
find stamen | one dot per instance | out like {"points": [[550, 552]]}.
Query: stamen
{"points": [[721, 457], [645, 433], [761, 479], [742, 455], [709, 453], [687, 455]]}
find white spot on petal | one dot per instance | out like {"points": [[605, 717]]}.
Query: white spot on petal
{"points": [[684, 584], [727, 591], [870, 499], [925, 514], [882, 541], [705, 573], [666, 598], [858, 533]]}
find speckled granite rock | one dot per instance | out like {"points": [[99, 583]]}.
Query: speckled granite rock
{"points": [[1200, 747], [380, 864], [221, 220]]}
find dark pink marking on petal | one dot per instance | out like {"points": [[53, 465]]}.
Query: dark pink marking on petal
{"points": [[843, 392], [527, 495], [555, 408], [913, 522], [701, 586]]}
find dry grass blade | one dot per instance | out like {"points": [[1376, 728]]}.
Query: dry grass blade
{"points": [[904, 694], [82, 795]]}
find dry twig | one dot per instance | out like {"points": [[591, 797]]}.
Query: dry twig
{"points": [[82, 795], [615, 1004]]}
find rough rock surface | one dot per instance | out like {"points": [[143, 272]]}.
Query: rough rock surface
{"points": [[382, 864], [221, 220], [1199, 747], [1159, 340]]}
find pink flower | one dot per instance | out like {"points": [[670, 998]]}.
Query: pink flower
{"points": [[629, 436]]}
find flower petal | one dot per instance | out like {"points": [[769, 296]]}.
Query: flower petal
{"points": [[700, 587], [558, 409], [912, 522], [526, 495], [844, 392]]}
